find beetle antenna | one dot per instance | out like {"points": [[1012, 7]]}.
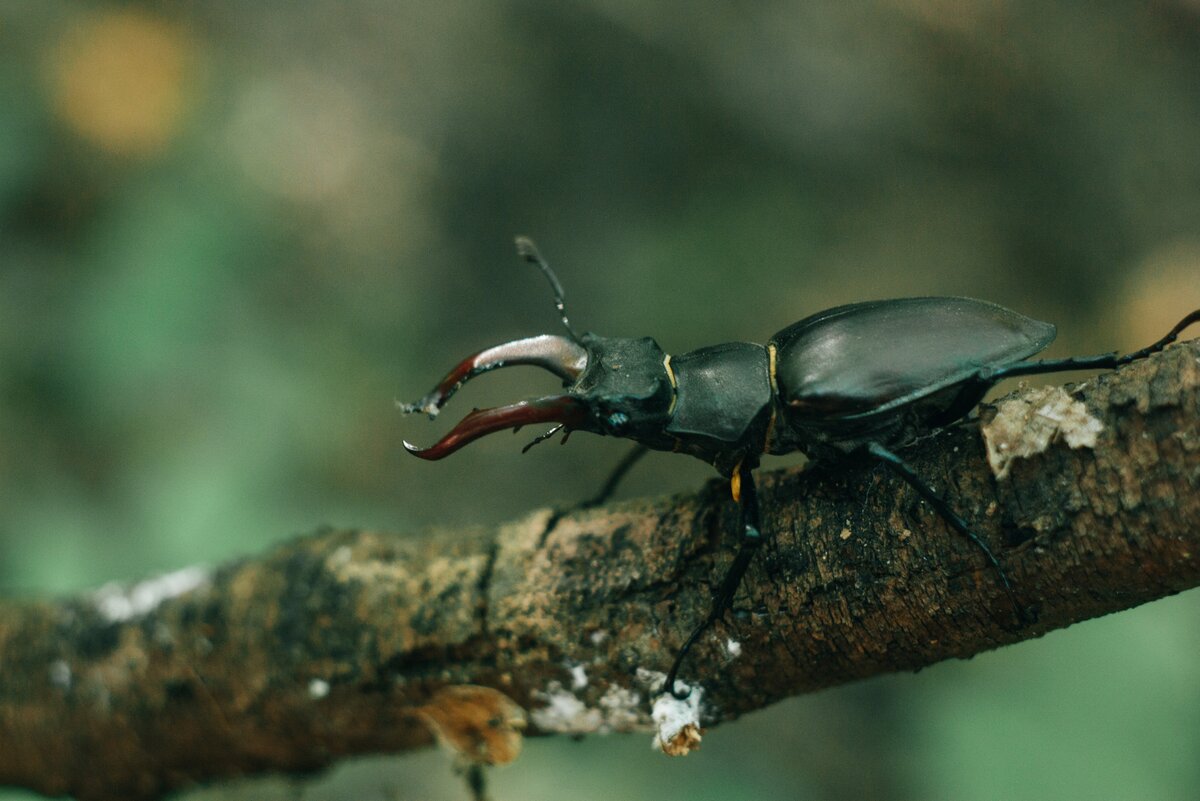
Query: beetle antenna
{"points": [[529, 252]]}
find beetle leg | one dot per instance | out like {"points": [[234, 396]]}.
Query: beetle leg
{"points": [[614, 478], [1171, 336], [975, 387], [1105, 361], [902, 469], [751, 527], [610, 486]]}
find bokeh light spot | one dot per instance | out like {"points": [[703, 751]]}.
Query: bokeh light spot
{"points": [[301, 136], [118, 80], [1160, 291]]}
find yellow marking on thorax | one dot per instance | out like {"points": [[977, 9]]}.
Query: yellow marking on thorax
{"points": [[735, 483], [674, 383], [771, 353]]}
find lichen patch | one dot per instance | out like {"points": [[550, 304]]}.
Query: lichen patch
{"points": [[579, 679], [676, 721], [117, 603], [623, 710], [618, 710], [1028, 424], [565, 713]]}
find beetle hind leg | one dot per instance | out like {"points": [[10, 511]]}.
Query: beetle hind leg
{"points": [[751, 533], [902, 469], [1105, 361]]}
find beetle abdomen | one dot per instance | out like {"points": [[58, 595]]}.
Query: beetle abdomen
{"points": [[869, 358]]}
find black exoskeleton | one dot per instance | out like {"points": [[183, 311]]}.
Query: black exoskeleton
{"points": [[864, 378]]}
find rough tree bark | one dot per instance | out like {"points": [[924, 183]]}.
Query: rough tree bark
{"points": [[330, 644]]}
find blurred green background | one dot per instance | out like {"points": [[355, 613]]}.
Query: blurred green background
{"points": [[232, 233]]}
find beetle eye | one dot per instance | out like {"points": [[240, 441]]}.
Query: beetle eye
{"points": [[617, 421]]}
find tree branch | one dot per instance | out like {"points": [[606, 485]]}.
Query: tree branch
{"points": [[334, 644]]}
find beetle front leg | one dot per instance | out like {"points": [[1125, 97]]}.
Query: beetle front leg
{"points": [[902, 469], [615, 477], [746, 494], [600, 498]]}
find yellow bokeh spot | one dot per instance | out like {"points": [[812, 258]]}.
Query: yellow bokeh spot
{"points": [[1163, 288], [118, 80]]}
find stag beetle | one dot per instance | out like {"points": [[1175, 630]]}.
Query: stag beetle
{"points": [[857, 379]]}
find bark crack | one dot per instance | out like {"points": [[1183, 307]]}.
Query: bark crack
{"points": [[485, 585]]}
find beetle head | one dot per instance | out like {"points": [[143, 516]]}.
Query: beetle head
{"points": [[614, 387]]}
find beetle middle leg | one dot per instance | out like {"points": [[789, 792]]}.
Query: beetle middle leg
{"points": [[904, 471], [722, 601]]}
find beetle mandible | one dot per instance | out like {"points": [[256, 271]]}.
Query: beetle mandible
{"points": [[864, 378]]}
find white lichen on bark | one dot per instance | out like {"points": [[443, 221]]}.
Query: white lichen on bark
{"points": [[1030, 423]]}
